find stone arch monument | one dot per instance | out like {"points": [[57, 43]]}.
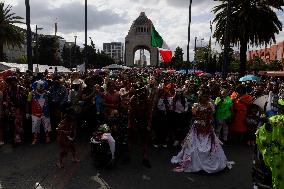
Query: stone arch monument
{"points": [[139, 37]]}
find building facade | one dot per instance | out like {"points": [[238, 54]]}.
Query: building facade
{"points": [[115, 50], [275, 52]]}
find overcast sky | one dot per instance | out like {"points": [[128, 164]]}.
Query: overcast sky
{"points": [[110, 20]]}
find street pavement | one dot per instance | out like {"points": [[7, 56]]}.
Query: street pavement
{"points": [[25, 166]]}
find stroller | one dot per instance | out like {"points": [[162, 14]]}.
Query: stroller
{"points": [[103, 147]]}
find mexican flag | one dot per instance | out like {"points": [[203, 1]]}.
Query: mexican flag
{"points": [[157, 41]]}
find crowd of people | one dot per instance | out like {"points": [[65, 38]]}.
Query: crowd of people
{"points": [[162, 108]]}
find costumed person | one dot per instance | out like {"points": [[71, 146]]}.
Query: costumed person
{"points": [[161, 125], [270, 142], [104, 133], [111, 100], [66, 134], [14, 104], [180, 108], [271, 107], [99, 103], [201, 149], [38, 105], [89, 110], [253, 122], [241, 102], [59, 98], [75, 97], [223, 114], [140, 121], [152, 90], [2, 88]]}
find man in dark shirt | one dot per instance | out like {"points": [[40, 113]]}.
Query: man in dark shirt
{"points": [[59, 98]]}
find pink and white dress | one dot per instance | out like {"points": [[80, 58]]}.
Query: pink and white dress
{"points": [[201, 149]]}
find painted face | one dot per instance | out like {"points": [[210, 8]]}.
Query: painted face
{"points": [[40, 88]]}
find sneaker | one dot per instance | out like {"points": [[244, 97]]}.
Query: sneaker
{"points": [[146, 163], [176, 143], [165, 146]]}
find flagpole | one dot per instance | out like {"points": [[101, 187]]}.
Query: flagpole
{"points": [[188, 34], [86, 31], [29, 36]]}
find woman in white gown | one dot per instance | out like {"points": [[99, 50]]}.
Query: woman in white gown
{"points": [[201, 149]]}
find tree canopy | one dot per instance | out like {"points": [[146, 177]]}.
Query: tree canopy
{"points": [[253, 22], [10, 35]]}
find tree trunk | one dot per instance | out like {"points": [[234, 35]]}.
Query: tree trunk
{"points": [[243, 57], [2, 58]]}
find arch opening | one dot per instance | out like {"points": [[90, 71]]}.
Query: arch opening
{"points": [[142, 57]]}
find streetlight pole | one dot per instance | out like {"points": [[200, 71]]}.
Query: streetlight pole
{"points": [[75, 44], [188, 34], [70, 55], [37, 53], [75, 37], [195, 49], [201, 42], [29, 35], [86, 31]]}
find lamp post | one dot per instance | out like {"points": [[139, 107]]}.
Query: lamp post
{"points": [[29, 35], [188, 34], [75, 44], [75, 37], [37, 54], [195, 51], [70, 56], [201, 42]]}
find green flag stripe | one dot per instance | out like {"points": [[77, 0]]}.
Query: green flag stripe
{"points": [[156, 39]]}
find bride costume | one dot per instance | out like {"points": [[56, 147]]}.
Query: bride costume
{"points": [[201, 149]]}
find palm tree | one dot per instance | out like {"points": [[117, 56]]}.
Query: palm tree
{"points": [[10, 34], [251, 22]]}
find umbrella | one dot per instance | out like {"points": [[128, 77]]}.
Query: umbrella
{"points": [[250, 78], [261, 101], [204, 75]]}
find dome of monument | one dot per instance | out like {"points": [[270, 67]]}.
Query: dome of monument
{"points": [[142, 20]]}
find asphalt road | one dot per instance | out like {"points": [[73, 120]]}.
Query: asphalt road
{"points": [[24, 166]]}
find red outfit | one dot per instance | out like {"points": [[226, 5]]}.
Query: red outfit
{"points": [[239, 109]]}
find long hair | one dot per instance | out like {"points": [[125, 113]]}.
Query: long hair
{"points": [[181, 98]]}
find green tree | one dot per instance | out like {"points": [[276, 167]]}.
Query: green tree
{"points": [[251, 21], [71, 55], [275, 65], [22, 60], [201, 57], [178, 56], [177, 60], [234, 66], [10, 34], [256, 65], [49, 50], [95, 58], [66, 56]]}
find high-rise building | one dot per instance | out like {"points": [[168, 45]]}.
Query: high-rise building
{"points": [[115, 50]]}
